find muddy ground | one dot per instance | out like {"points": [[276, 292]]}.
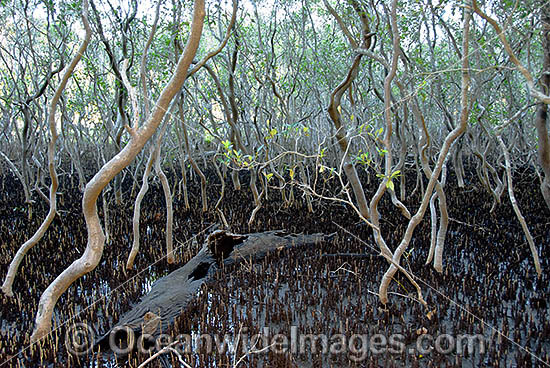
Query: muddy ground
{"points": [[488, 285]]}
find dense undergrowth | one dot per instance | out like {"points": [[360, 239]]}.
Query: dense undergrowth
{"points": [[488, 272]]}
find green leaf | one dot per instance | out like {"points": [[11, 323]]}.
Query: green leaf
{"points": [[389, 185], [395, 173], [226, 144]]}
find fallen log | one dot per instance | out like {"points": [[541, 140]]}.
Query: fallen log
{"points": [[171, 295]]}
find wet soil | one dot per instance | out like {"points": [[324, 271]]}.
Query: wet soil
{"points": [[488, 285]]}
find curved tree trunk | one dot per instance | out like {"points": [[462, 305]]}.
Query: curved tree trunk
{"points": [[334, 109], [515, 206], [543, 98], [137, 208], [449, 140], [192, 161], [169, 210], [96, 238], [14, 265]]}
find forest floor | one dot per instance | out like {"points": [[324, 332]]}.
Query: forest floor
{"points": [[488, 286]]}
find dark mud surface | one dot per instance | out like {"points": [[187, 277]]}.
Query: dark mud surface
{"points": [[488, 285]]}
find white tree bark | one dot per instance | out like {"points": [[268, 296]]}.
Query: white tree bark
{"points": [[443, 223], [139, 137], [531, 84], [334, 107], [169, 210], [137, 209], [392, 71], [515, 205], [153, 155], [451, 137], [14, 265], [541, 128], [16, 172]]}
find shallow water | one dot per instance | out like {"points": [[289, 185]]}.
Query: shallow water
{"points": [[488, 270]]}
